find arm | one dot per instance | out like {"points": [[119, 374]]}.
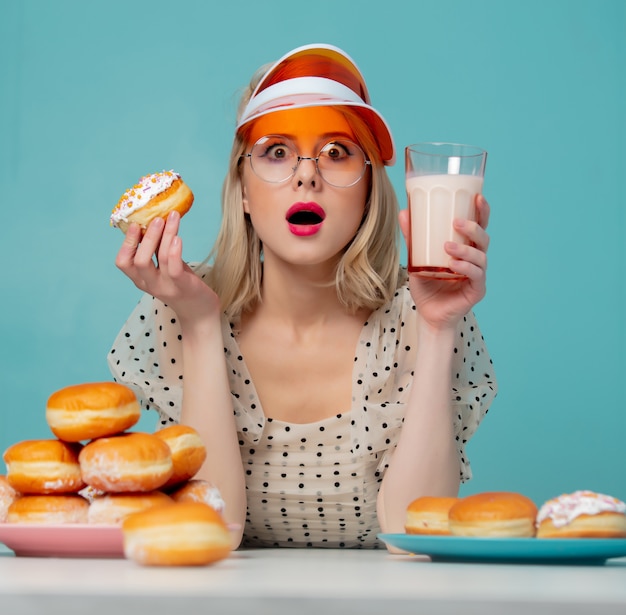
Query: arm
{"points": [[425, 461], [207, 407], [207, 404]]}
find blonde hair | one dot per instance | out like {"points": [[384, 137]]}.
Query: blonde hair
{"points": [[367, 272]]}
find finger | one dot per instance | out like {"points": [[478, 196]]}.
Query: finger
{"points": [[467, 258], [169, 233], [126, 255], [483, 211], [475, 234], [149, 244], [175, 264], [476, 275]]}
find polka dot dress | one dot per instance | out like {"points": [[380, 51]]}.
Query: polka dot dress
{"points": [[310, 489], [313, 484]]}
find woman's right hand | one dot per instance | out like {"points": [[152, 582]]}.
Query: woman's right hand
{"points": [[169, 279]]}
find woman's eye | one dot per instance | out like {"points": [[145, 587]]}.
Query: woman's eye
{"points": [[336, 151], [278, 152]]}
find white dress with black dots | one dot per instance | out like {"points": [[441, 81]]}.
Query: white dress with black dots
{"points": [[313, 484]]}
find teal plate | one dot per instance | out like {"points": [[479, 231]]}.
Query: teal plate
{"points": [[509, 550]]}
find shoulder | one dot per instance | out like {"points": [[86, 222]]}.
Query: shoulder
{"points": [[399, 306]]}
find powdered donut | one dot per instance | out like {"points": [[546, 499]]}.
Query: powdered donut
{"points": [[126, 463], [197, 490], [113, 508], [8, 495], [153, 196]]}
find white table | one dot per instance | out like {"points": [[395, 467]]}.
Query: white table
{"points": [[307, 581]]}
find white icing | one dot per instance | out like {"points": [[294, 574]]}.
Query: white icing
{"points": [[136, 197], [564, 509]]}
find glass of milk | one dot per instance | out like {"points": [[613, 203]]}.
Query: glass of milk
{"points": [[442, 181]]}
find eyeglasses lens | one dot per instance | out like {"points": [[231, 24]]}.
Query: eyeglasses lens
{"points": [[340, 162]]}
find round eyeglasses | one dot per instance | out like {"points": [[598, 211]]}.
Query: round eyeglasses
{"points": [[275, 159]]}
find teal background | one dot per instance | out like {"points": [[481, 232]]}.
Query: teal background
{"points": [[95, 94]]}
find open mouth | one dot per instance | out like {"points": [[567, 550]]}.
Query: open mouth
{"points": [[305, 217], [305, 214]]}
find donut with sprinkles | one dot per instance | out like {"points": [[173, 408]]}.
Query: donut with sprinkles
{"points": [[153, 196]]}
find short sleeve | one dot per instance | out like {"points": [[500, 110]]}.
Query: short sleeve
{"points": [[474, 386], [383, 376], [147, 357]]}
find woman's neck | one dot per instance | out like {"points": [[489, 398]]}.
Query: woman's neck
{"points": [[301, 293]]}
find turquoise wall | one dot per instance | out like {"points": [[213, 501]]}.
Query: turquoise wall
{"points": [[95, 94]]}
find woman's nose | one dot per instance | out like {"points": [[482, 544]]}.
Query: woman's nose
{"points": [[306, 171]]}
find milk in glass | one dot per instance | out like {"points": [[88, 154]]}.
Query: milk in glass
{"points": [[434, 202]]}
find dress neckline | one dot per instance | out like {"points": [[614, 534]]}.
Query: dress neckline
{"points": [[328, 419]]}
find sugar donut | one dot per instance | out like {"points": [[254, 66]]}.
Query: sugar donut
{"points": [[429, 515], [126, 463], [188, 452], [113, 508], [497, 513], [153, 196], [582, 514], [44, 466], [49, 509], [91, 410], [178, 534], [198, 490], [8, 495]]}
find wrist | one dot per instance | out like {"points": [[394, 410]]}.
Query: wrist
{"points": [[438, 335], [200, 327]]}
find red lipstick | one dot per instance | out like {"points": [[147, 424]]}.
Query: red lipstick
{"points": [[305, 219]]}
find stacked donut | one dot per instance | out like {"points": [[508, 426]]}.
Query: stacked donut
{"points": [[47, 473], [8, 495], [503, 514], [96, 471]]}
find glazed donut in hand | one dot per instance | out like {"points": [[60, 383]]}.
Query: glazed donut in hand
{"points": [[49, 509], [178, 534], [8, 495], [501, 513], [44, 466], [198, 490], [188, 451], [91, 410], [126, 463], [582, 514], [153, 196], [113, 508], [429, 515]]}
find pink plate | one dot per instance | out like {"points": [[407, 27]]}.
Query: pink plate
{"points": [[70, 540]]}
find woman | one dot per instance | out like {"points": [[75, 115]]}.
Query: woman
{"points": [[330, 388]]}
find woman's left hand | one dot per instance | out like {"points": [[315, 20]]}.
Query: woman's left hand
{"points": [[442, 303]]}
